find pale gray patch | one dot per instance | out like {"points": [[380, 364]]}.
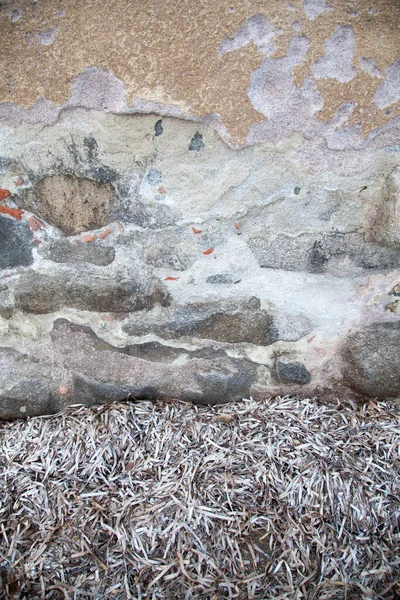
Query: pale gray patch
{"points": [[16, 15], [314, 8], [389, 90], [369, 66], [46, 38], [296, 26], [258, 30], [273, 93], [42, 111], [337, 62], [94, 88]]}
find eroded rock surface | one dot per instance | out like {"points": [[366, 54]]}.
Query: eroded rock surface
{"points": [[152, 260]]}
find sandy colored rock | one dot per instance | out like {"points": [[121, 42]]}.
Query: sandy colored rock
{"points": [[72, 204]]}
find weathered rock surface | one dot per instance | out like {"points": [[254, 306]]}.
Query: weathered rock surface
{"points": [[63, 251], [73, 204], [223, 322], [167, 264], [39, 293], [372, 360]]}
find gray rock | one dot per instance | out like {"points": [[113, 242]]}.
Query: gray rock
{"points": [[63, 251], [322, 253], [39, 293], [371, 360], [292, 372], [16, 243]]}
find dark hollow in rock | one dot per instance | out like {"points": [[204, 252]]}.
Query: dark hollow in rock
{"points": [[63, 251], [90, 392], [38, 293], [371, 360], [16, 243], [73, 204], [292, 372]]}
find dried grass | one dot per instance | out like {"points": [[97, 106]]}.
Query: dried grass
{"points": [[281, 499]]}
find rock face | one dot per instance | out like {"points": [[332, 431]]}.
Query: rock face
{"points": [[207, 213], [372, 360]]}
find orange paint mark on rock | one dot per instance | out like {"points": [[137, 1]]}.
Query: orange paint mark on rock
{"points": [[4, 194], [105, 233], [161, 190], [209, 251], [238, 225], [35, 224], [169, 278], [196, 230], [88, 238], [13, 212], [63, 390]]}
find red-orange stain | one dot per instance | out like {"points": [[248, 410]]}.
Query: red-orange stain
{"points": [[4, 194], [196, 230], [13, 212], [169, 278], [107, 318], [105, 233], [209, 251], [238, 225], [35, 224], [88, 238]]}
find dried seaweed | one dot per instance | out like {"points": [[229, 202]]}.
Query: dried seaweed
{"points": [[287, 499]]}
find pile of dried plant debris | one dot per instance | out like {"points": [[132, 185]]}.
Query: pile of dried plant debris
{"points": [[282, 499]]}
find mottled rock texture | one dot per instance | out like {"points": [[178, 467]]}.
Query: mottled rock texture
{"points": [[198, 202]]}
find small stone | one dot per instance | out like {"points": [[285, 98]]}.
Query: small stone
{"points": [[16, 243], [158, 128], [154, 177], [297, 190], [63, 251], [221, 279], [292, 372], [196, 143]]}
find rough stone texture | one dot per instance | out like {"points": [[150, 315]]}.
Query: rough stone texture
{"points": [[209, 195], [16, 244], [292, 372], [372, 360], [39, 293], [73, 204], [62, 251]]}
